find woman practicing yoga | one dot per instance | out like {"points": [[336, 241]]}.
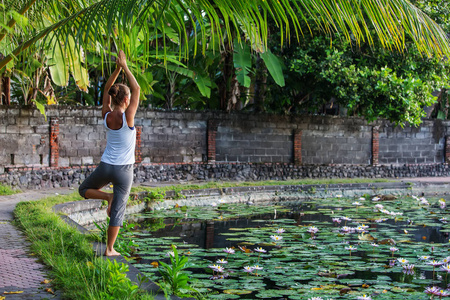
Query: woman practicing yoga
{"points": [[117, 161]]}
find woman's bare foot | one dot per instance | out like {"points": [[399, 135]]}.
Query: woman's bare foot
{"points": [[110, 199], [111, 252]]}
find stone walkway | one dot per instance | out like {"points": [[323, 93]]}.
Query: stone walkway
{"points": [[21, 275]]}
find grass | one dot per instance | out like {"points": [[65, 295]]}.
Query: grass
{"points": [[219, 184], [7, 190], [75, 269]]}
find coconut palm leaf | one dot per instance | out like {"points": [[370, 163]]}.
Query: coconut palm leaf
{"points": [[88, 21]]}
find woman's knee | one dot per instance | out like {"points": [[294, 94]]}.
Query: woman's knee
{"points": [[82, 190]]}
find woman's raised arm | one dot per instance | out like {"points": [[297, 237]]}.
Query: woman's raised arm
{"points": [[106, 97], [134, 87]]}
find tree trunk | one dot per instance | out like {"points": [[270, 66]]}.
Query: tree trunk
{"points": [[227, 77], [260, 84], [6, 86]]}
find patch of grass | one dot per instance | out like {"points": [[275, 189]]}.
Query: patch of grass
{"points": [[7, 190], [224, 184], [76, 271]]}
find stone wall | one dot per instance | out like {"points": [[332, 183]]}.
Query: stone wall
{"points": [[411, 145], [73, 137], [38, 178]]}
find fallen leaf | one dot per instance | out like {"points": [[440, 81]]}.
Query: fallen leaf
{"points": [[46, 281], [9, 293], [154, 264], [49, 290], [365, 286], [365, 237], [2, 298]]}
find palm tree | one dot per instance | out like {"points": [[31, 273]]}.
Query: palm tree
{"points": [[98, 24]]}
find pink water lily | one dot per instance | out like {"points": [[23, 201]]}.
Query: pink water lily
{"points": [[336, 220], [432, 290], [445, 268], [313, 229], [221, 261], [280, 231], [435, 263], [229, 250], [276, 237], [260, 250], [248, 269]]}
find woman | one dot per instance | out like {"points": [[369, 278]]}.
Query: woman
{"points": [[117, 161]]}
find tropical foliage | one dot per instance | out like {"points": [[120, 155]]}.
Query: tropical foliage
{"points": [[214, 54]]}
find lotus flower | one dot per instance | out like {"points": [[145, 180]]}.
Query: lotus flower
{"points": [[379, 206], [346, 229], [248, 269], [276, 238], [408, 267], [380, 220], [336, 220], [221, 261], [313, 229], [260, 250], [432, 290], [424, 257], [393, 249], [374, 245], [445, 268], [435, 263], [442, 293], [402, 261], [229, 251]]}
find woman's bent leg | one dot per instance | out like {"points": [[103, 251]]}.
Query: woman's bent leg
{"points": [[90, 188]]}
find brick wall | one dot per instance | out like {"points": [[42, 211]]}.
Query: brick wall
{"points": [[74, 136]]}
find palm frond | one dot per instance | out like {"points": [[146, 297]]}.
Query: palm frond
{"points": [[90, 21]]}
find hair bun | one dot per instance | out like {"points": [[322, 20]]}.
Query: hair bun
{"points": [[113, 91]]}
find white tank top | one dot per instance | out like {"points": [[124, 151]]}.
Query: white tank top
{"points": [[120, 144]]}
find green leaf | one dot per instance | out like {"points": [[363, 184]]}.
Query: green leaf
{"points": [[242, 62], [41, 108], [274, 66], [204, 85], [59, 70]]}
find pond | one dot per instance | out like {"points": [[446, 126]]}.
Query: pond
{"points": [[367, 247]]}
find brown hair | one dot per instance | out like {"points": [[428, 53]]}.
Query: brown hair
{"points": [[118, 92]]}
